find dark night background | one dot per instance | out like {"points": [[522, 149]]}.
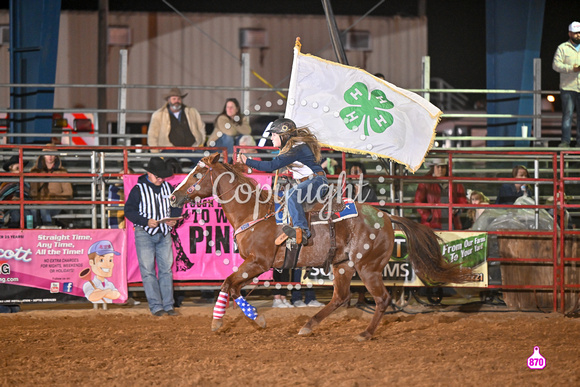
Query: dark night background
{"points": [[456, 28]]}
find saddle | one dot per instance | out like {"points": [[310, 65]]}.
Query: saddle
{"points": [[320, 212], [332, 203], [293, 249]]}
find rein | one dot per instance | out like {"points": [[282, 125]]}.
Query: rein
{"points": [[251, 223], [247, 225]]}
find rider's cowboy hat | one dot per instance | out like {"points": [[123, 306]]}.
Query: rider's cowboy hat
{"points": [[282, 125], [12, 160], [159, 168], [175, 92]]}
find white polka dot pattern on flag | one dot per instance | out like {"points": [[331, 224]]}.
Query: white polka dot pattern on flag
{"points": [[248, 309]]}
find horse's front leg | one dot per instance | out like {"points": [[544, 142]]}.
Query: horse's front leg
{"points": [[231, 287], [219, 310]]}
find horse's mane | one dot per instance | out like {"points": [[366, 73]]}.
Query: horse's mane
{"points": [[238, 170]]}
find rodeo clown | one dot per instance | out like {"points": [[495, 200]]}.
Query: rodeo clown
{"points": [[300, 151]]}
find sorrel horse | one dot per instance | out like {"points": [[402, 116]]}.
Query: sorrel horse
{"points": [[364, 243]]}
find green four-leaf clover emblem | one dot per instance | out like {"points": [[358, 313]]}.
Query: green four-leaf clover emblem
{"points": [[368, 110]]}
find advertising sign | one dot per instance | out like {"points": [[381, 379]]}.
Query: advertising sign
{"points": [[204, 246]]}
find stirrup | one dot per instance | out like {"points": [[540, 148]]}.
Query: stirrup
{"points": [[281, 239], [289, 230], [295, 233]]}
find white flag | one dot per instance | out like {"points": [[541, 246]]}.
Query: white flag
{"points": [[350, 110]]}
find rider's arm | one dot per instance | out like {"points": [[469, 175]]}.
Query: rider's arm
{"points": [[276, 163]]}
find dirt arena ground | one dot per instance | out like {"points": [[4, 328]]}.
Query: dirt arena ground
{"points": [[128, 346]]}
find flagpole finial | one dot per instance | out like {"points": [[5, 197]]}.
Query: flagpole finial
{"points": [[298, 45]]}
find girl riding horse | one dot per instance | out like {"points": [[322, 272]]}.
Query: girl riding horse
{"points": [[300, 150]]}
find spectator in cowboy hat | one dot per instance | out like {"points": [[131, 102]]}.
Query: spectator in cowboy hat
{"points": [[146, 206], [175, 124], [12, 164], [11, 191], [438, 192]]}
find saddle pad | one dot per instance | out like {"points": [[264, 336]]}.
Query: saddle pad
{"points": [[349, 211]]}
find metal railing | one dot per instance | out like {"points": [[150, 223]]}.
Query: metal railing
{"points": [[95, 168]]}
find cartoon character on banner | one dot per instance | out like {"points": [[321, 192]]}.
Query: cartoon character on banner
{"points": [[99, 290]]}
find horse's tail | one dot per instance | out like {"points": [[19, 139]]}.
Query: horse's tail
{"points": [[425, 255]]}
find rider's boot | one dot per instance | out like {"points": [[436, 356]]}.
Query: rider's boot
{"points": [[301, 236], [305, 237]]}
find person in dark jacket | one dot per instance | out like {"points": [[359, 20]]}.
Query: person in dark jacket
{"points": [[509, 192], [300, 151], [147, 206]]}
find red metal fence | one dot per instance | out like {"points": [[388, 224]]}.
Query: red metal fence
{"points": [[554, 174]]}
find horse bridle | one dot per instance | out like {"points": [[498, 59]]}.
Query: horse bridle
{"points": [[192, 188], [245, 226]]}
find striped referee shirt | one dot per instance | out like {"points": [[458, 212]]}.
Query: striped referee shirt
{"points": [[148, 201]]}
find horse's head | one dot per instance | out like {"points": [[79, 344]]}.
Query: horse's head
{"points": [[198, 184]]}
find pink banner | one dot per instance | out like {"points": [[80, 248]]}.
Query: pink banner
{"points": [[205, 249], [83, 263]]}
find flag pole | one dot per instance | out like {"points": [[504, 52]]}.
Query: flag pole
{"points": [[334, 35]]}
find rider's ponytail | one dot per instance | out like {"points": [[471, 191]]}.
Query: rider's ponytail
{"points": [[300, 135]]}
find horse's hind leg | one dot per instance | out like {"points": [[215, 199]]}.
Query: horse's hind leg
{"points": [[372, 277], [341, 295]]}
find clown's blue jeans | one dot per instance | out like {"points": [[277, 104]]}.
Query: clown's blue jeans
{"points": [[158, 287]]}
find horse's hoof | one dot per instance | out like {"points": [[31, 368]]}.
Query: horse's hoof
{"points": [[261, 321], [216, 324], [365, 336], [305, 331]]}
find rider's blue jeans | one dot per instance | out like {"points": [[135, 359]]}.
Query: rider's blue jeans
{"points": [[308, 191]]}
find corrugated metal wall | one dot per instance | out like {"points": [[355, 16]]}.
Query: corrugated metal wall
{"points": [[169, 50]]}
